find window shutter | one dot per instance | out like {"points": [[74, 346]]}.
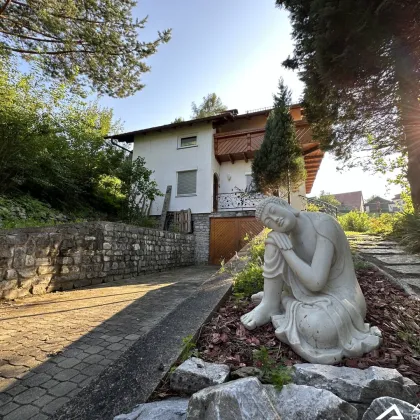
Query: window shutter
{"points": [[187, 182]]}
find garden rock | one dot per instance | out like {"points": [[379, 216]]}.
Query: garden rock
{"points": [[398, 409], [246, 372], [194, 374], [295, 402], [356, 385], [171, 409], [244, 399]]}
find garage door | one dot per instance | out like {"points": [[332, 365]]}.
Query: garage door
{"points": [[227, 236]]}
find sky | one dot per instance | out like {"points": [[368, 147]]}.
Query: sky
{"points": [[233, 48]]}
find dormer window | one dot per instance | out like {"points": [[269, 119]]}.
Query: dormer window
{"points": [[188, 141]]}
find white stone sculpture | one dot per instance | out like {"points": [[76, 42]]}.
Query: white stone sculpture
{"points": [[311, 293]]}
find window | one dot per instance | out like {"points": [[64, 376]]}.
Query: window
{"points": [[188, 141], [187, 183]]}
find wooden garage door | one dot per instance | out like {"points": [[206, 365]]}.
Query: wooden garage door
{"points": [[227, 236]]}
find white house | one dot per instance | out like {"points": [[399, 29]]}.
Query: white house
{"points": [[207, 162]]}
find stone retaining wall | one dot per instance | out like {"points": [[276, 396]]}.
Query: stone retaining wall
{"points": [[40, 260]]}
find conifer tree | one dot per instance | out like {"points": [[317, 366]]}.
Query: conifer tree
{"points": [[360, 62], [95, 43], [279, 164]]}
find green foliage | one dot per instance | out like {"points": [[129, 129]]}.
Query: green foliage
{"points": [[178, 120], [312, 207], [384, 223], [138, 190], [273, 373], [211, 105], [52, 147], [189, 348], [250, 280], [354, 221], [329, 198], [411, 337], [359, 61], [94, 42], [25, 211], [407, 230], [278, 164], [51, 140]]}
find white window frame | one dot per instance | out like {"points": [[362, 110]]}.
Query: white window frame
{"points": [[186, 136], [196, 182]]}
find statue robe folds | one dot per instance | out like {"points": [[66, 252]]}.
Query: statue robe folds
{"points": [[322, 327]]}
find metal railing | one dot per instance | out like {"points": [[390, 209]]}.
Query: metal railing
{"points": [[259, 109], [240, 200], [323, 206]]}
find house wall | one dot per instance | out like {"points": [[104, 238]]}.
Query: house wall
{"points": [[162, 155], [232, 176], [237, 171]]}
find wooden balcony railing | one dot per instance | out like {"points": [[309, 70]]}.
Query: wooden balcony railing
{"points": [[242, 145], [237, 145]]}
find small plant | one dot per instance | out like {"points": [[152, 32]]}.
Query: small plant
{"points": [[189, 348], [249, 281], [273, 373], [411, 338], [361, 264]]}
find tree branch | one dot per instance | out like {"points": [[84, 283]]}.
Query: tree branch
{"points": [[3, 8], [35, 39], [49, 52]]}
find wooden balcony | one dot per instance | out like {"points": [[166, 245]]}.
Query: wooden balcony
{"points": [[242, 145]]}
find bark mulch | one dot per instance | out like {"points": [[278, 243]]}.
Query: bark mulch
{"points": [[225, 340]]}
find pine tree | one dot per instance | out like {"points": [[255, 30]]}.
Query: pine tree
{"points": [[360, 62], [92, 42], [279, 164]]}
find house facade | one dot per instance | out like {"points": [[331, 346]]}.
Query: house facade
{"points": [[380, 205], [208, 162]]}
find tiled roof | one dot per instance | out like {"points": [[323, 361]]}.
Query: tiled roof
{"points": [[352, 200]]}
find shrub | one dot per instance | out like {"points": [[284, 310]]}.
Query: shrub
{"points": [[407, 230], [384, 223], [250, 280], [354, 221]]}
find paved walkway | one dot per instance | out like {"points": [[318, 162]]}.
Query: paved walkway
{"points": [[52, 346], [391, 258]]}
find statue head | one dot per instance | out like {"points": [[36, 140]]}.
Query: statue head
{"points": [[277, 214]]}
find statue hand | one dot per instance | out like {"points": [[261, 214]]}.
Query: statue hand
{"points": [[284, 240]]}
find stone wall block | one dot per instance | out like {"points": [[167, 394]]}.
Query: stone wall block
{"points": [[19, 257], [42, 260], [10, 274]]}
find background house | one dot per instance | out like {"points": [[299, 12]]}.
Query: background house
{"points": [[379, 205], [207, 162], [350, 201]]}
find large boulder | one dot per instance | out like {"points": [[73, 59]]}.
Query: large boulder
{"points": [[171, 409], [395, 408], [296, 402], [244, 399], [194, 375], [356, 385]]}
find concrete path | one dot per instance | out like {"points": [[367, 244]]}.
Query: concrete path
{"points": [[53, 346], [391, 259]]}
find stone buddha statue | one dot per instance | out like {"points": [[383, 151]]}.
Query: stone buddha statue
{"points": [[311, 293]]}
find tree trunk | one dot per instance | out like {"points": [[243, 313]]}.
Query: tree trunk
{"points": [[408, 85]]}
